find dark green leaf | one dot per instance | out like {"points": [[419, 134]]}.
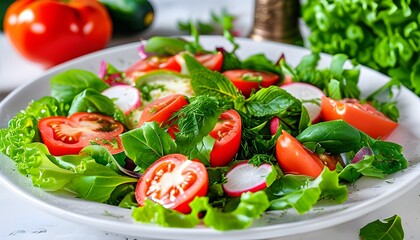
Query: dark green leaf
{"points": [[387, 229], [147, 144], [66, 85]]}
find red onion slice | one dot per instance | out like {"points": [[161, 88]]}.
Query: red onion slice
{"points": [[364, 151]]}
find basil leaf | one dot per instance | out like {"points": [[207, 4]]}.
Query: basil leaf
{"points": [[66, 85], [207, 82]]}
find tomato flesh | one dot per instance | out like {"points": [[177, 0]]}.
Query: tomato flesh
{"points": [[227, 133], [173, 181], [361, 116], [211, 61], [64, 136], [247, 81], [152, 63], [294, 158], [162, 109]]}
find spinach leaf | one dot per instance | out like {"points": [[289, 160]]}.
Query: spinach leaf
{"points": [[260, 62], [390, 229], [66, 85], [275, 102], [148, 143], [90, 100], [165, 46], [334, 136]]}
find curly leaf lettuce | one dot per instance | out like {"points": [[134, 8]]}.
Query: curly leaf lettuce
{"points": [[383, 35], [251, 206], [80, 174], [23, 129]]}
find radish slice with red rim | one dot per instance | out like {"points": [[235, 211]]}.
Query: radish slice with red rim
{"points": [[246, 177], [309, 95], [126, 97]]}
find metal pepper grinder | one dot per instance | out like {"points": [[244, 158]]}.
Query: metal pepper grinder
{"points": [[277, 20]]}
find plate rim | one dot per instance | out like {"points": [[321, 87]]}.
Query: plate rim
{"points": [[263, 231]]}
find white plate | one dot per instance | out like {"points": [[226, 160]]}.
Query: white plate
{"points": [[364, 196]]}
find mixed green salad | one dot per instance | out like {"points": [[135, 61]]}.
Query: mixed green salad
{"points": [[189, 136]]}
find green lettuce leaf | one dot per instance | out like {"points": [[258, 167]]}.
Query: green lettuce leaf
{"points": [[308, 193], [251, 206], [76, 173]]}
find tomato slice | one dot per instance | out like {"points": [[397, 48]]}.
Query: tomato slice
{"points": [[162, 109], [173, 181], [227, 132], [64, 136], [212, 61], [294, 158], [361, 116], [247, 80], [152, 63]]}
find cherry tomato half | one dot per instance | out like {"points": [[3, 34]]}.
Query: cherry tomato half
{"points": [[227, 132], [162, 109], [361, 116], [51, 32], [294, 158], [65, 136], [247, 81], [211, 61], [173, 181], [152, 63]]}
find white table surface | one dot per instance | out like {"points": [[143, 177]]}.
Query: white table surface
{"points": [[23, 220]]}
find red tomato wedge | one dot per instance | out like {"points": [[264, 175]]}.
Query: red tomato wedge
{"points": [[294, 158], [162, 109], [227, 132], [212, 61], [247, 81], [65, 136], [361, 116], [173, 181], [152, 63]]}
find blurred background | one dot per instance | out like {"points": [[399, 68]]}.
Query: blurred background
{"points": [[169, 16], [383, 35]]}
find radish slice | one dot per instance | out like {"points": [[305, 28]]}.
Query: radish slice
{"points": [[308, 94], [274, 125], [126, 97], [245, 177]]}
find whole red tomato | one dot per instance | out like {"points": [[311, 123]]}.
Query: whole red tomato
{"points": [[52, 31]]}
